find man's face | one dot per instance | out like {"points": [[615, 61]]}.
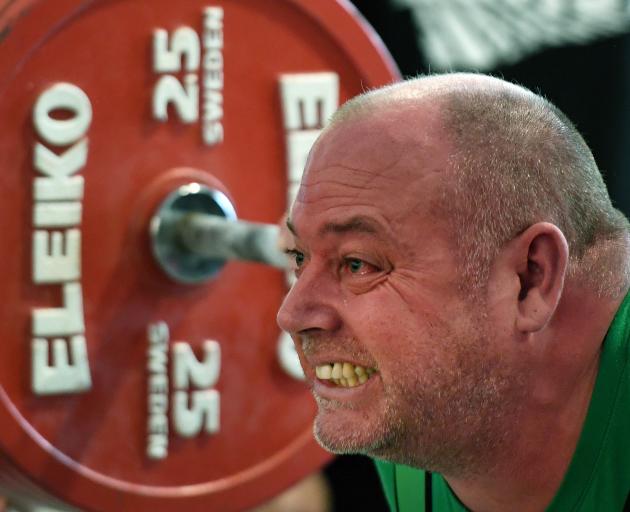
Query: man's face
{"points": [[377, 288]]}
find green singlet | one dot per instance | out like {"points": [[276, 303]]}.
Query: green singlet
{"points": [[598, 478]]}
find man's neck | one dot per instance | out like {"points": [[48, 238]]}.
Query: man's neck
{"points": [[532, 465]]}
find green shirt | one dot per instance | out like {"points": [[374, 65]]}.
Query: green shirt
{"points": [[598, 478]]}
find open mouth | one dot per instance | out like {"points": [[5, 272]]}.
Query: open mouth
{"points": [[346, 375]]}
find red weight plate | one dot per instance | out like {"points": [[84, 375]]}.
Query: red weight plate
{"points": [[99, 124]]}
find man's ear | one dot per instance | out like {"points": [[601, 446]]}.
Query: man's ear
{"points": [[540, 256]]}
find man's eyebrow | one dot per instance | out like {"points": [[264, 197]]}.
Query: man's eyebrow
{"points": [[356, 224]]}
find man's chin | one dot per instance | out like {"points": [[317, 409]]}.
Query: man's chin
{"points": [[342, 437]]}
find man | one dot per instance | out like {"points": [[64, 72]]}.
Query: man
{"points": [[460, 300]]}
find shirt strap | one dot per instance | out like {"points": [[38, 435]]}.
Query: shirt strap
{"points": [[411, 492]]}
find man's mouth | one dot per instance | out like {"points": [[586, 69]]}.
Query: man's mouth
{"points": [[346, 375]]}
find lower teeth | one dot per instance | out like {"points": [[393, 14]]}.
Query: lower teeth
{"points": [[351, 382]]}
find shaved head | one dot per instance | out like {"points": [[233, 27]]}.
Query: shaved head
{"points": [[515, 160]]}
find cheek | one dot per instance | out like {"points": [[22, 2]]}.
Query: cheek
{"points": [[390, 330], [427, 292], [375, 312]]}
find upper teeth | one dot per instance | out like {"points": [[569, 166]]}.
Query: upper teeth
{"points": [[344, 374]]}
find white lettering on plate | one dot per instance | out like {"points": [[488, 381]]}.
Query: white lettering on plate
{"points": [[180, 67], [194, 406], [59, 358], [157, 397], [188, 372], [308, 102]]}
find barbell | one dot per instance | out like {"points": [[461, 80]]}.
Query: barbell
{"points": [[140, 367]]}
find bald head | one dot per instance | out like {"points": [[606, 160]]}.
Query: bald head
{"points": [[431, 89], [514, 160]]}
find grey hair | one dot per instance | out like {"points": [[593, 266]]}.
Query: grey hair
{"points": [[516, 160]]}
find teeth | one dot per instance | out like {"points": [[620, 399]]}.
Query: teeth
{"points": [[359, 370], [348, 370], [324, 372], [344, 374]]}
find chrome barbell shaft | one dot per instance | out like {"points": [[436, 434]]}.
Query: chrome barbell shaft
{"points": [[213, 236]]}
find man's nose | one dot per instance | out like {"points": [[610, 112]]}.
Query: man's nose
{"points": [[310, 304]]}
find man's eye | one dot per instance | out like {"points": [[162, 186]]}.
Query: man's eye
{"points": [[296, 257], [358, 267]]}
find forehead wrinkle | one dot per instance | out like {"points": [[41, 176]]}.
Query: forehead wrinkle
{"points": [[355, 182], [332, 182], [365, 174]]}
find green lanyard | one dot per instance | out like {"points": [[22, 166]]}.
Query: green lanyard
{"points": [[413, 489]]}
